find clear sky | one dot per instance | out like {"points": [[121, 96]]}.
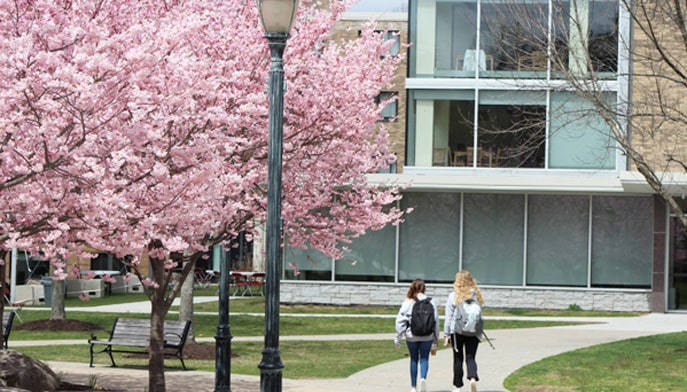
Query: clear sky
{"points": [[380, 6]]}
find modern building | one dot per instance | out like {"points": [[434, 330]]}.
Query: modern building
{"points": [[513, 175]]}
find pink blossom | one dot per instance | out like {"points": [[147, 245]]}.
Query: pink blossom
{"points": [[75, 270], [147, 282], [139, 128], [294, 266], [170, 264], [109, 279]]}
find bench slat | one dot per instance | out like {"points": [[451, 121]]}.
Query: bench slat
{"points": [[129, 332]]}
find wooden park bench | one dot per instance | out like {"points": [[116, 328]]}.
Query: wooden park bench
{"points": [[128, 334], [7, 318]]}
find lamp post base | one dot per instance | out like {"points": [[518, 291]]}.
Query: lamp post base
{"points": [[271, 370]]}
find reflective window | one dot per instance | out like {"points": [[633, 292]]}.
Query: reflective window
{"points": [[580, 138], [456, 39], [429, 237], [306, 264], [510, 38], [503, 239], [514, 36], [369, 258], [557, 240], [626, 222], [586, 32], [379, 6], [494, 228], [512, 129]]}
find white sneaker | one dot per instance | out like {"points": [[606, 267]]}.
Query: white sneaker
{"points": [[456, 390], [473, 386], [423, 385], [413, 390]]}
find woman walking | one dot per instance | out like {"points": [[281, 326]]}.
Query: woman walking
{"points": [[418, 346], [464, 347]]}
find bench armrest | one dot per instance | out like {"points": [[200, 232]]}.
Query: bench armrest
{"points": [[93, 332], [173, 333]]}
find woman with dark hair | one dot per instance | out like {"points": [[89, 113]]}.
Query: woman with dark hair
{"points": [[418, 346], [464, 346]]}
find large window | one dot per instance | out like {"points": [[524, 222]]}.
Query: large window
{"points": [[502, 100], [615, 221], [510, 38], [429, 238], [557, 240], [585, 32], [494, 232], [369, 258], [580, 139], [507, 134], [512, 129], [504, 240], [306, 264]]}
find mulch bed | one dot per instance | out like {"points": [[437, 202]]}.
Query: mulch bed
{"points": [[56, 325]]}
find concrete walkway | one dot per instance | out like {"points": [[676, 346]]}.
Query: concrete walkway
{"points": [[514, 348]]}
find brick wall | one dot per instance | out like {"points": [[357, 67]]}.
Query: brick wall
{"points": [[347, 29]]}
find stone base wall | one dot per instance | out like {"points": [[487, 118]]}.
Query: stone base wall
{"points": [[495, 297]]}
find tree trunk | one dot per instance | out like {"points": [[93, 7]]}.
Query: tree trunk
{"points": [[186, 306], [156, 358], [3, 271], [57, 311], [161, 300]]}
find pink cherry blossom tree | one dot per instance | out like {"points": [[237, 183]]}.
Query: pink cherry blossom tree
{"points": [[167, 102]]}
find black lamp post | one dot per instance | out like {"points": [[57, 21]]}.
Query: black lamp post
{"points": [[277, 17], [223, 337]]}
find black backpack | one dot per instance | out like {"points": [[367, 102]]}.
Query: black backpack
{"points": [[422, 320]]}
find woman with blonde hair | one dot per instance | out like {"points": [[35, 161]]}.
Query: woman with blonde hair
{"points": [[464, 347], [418, 346]]}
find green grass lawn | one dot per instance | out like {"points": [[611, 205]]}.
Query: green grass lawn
{"points": [[566, 373], [650, 363]]}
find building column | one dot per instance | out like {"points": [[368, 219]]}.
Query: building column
{"points": [[658, 270]]}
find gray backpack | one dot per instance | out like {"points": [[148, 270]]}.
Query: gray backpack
{"points": [[468, 318]]}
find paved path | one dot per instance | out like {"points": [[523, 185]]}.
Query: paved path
{"points": [[514, 349]]}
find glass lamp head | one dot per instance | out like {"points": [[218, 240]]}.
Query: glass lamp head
{"points": [[277, 16]]}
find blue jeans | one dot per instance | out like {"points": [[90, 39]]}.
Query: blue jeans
{"points": [[419, 351]]}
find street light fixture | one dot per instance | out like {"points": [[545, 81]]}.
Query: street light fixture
{"points": [[277, 17], [223, 336]]}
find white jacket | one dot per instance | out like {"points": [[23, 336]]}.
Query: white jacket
{"points": [[403, 322]]}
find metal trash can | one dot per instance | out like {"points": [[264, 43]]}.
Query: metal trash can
{"points": [[46, 282]]}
